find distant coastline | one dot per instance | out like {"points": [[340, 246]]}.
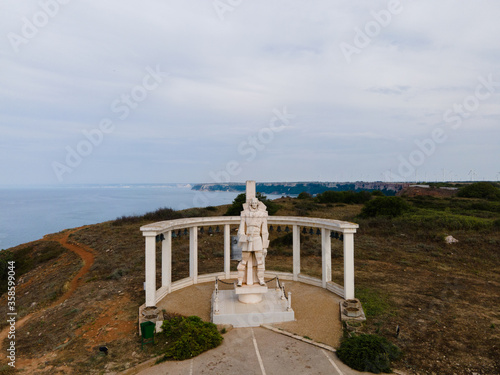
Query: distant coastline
{"points": [[313, 188], [29, 213]]}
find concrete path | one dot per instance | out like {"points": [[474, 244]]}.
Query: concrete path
{"points": [[257, 351]]}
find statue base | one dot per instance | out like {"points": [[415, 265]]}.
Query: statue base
{"points": [[227, 309], [250, 293]]}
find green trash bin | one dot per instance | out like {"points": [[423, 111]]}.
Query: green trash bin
{"points": [[147, 333]]}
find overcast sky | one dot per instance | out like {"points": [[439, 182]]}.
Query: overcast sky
{"points": [[122, 91]]}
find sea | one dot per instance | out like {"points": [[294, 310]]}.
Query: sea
{"points": [[29, 213]]}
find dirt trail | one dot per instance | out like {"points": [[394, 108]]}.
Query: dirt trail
{"points": [[82, 251], [87, 256]]}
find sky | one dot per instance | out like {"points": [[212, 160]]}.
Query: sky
{"points": [[122, 91]]}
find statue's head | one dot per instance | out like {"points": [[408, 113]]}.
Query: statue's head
{"points": [[254, 203]]}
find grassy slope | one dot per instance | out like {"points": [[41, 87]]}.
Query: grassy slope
{"points": [[445, 298]]}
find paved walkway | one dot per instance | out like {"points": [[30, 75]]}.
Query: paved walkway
{"points": [[260, 351], [257, 351], [316, 309]]}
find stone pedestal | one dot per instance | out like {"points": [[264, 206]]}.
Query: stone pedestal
{"points": [[250, 293], [351, 309], [150, 314], [227, 309]]}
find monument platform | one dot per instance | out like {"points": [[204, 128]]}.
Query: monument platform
{"points": [[229, 310], [250, 293]]}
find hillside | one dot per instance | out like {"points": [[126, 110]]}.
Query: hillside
{"points": [[81, 288]]}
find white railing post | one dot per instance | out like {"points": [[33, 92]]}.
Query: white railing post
{"points": [[326, 256], [193, 253], [166, 261], [150, 269], [227, 250], [296, 252], [349, 265]]}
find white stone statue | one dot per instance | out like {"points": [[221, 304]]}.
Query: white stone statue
{"points": [[253, 237]]}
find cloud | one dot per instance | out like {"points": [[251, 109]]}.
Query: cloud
{"points": [[225, 77]]}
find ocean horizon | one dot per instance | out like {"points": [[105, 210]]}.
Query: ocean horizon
{"points": [[29, 213]]}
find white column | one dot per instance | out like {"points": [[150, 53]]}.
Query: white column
{"points": [[250, 190], [296, 252], [193, 254], [166, 261], [349, 265], [326, 256], [227, 250], [150, 269]]}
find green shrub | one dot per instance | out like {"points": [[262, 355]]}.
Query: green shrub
{"points": [[483, 190], [163, 214], [160, 214], [189, 337], [368, 353], [304, 195], [349, 197], [385, 206], [237, 206]]}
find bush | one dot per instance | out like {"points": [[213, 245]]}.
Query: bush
{"points": [[385, 206], [349, 197], [160, 214], [237, 206], [304, 195], [368, 353], [482, 190], [163, 214], [189, 337]]}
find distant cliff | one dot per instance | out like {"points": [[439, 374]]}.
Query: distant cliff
{"points": [[295, 188]]}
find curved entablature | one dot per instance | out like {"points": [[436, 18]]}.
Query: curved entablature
{"points": [[168, 225]]}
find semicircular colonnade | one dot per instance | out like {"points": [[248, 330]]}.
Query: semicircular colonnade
{"points": [[162, 232]]}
